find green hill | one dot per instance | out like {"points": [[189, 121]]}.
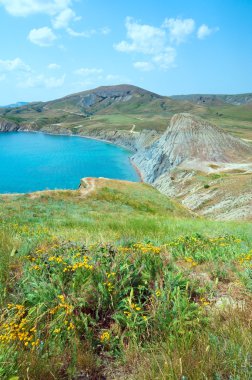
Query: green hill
{"points": [[125, 106]]}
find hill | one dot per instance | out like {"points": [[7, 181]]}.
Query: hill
{"points": [[15, 105], [208, 169], [124, 107], [211, 99]]}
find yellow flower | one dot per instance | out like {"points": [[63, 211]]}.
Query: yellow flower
{"points": [[71, 326], [105, 337]]}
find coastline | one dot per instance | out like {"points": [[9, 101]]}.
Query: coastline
{"points": [[75, 135], [137, 170], [135, 167]]}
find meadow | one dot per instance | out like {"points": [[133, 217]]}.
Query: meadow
{"points": [[122, 283]]}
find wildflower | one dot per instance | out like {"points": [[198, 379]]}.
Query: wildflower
{"points": [[105, 337], [71, 326], [158, 293]]}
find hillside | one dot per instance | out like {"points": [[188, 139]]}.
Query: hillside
{"points": [[124, 107], [211, 99], [105, 282], [15, 105]]}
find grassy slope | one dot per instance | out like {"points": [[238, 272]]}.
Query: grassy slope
{"points": [[116, 210], [139, 304]]}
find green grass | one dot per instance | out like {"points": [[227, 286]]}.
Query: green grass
{"points": [[122, 283]]}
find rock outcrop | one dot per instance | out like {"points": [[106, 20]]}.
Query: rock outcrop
{"points": [[8, 126], [208, 169], [133, 141], [193, 140]]}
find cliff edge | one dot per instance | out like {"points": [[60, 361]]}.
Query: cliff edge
{"points": [[206, 168]]}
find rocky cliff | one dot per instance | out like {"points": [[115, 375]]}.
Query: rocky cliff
{"points": [[8, 126], [202, 165], [134, 141], [191, 139]]}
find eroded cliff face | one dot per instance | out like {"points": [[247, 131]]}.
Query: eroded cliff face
{"points": [[134, 141], [191, 139], [8, 126], [207, 169]]}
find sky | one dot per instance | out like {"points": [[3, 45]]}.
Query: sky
{"points": [[52, 48]]}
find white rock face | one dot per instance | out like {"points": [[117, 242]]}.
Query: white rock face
{"points": [[189, 138], [180, 164]]}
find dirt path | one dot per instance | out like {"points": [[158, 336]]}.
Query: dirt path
{"points": [[87, 186]]}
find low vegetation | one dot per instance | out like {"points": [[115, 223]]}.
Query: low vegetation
{"points": [[121, 284]]}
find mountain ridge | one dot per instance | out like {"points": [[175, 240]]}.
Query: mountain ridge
{"points": [[216, 99]]}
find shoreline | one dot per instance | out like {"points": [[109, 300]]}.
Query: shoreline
{"points": [[135, 167], [137, 170]]}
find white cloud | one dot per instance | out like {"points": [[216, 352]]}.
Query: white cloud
{"points": [[157, 45], [204, 31], [28, 7], [143, 38], [42, 37], [85, 71], [166, 59], [149, 41], [53, 66], [62, 20], [85, 34], [41, 80], [179, 29], [88, 33], [143, 65], [13, 65]]}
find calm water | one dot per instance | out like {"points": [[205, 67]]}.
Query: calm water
{"points": [[34, 161]]}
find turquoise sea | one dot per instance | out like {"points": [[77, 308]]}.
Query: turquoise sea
{"points": [[36, 161]]}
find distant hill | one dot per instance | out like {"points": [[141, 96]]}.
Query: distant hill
{"points": [[126, 107], [239, 99], [15, 105]]}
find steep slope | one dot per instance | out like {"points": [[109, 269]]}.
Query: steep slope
{"points": [[190, 158], [190, 138], [8, 126]]}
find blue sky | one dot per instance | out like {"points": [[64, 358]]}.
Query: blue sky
{"points": [[51, 48]]}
